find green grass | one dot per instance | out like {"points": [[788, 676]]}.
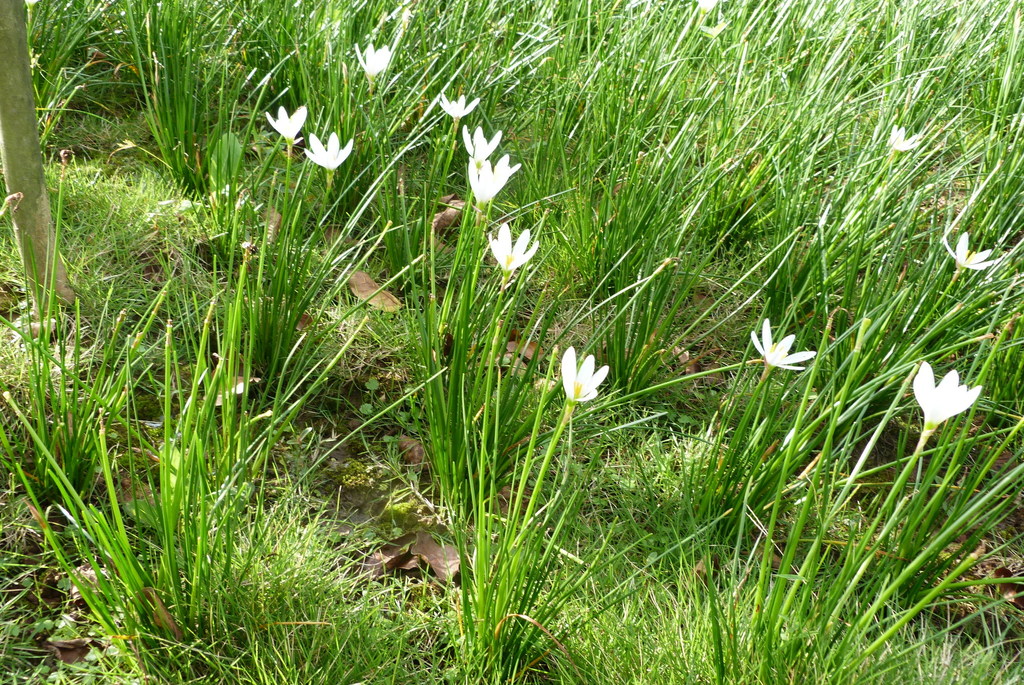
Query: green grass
{"points": [[218, 432]]}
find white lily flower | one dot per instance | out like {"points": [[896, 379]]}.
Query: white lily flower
{"points": [[373, 61], [777, 354], [332, 156], [713, 31], [478, 147], [946, 400], [458, 108], [486, 181], [288, 126], [512, 257], [965, 259], [898, 139], [580, 384]]}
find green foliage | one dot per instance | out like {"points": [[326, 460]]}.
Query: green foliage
{"points": [[62, 36], [701, 520]]}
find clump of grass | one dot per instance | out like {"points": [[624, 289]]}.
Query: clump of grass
{"points": [[704, 518]]}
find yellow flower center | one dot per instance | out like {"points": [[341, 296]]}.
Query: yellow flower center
{"points": [[577, 390]]}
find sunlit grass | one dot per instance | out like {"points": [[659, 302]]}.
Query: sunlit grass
{"points": [[685, 172]]}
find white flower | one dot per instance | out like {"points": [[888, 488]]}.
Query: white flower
{"points": [[511, 258], [478, 147], [713, 31], [330, 157], [486, 182], [459, 108], [777, 354], [942, 402], [965, 259], [898, 139], [288, 126], [373, 61], [580, 385], [707, 5]]}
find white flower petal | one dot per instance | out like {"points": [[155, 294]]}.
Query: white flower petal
{"points": [[961, 249], [529, 253], [580, 385], [799, 357], [757, 343], [587, 370], [599, 376], [569, 373], [373, 61], [288, 126], [924, 383], [777, 354], [949, 382], [782, 347], [944, 401], [980, 256]]}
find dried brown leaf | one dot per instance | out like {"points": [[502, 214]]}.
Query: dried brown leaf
{"points": [[85, 576], [703, 301], [36, 328], [527, 350], [49, 590], [700, 570], [152, 265], [716, 378], [777, 563], [274, 219], [412, 554], [450, 215], [40, 520], [393, 556], [333, 233], [443, 560], [9, 298], [411, 450], [129, 488], [681, 355], [519, 351], [71, 651], [396, 549], [365, 288], [1010, 591], [161, 616], [507, 494], [404, 560]]}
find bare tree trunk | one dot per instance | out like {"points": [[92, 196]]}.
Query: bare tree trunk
{"points": [[23, 163]]}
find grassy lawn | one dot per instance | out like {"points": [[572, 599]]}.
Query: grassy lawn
{"points": [[314, 417]]}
